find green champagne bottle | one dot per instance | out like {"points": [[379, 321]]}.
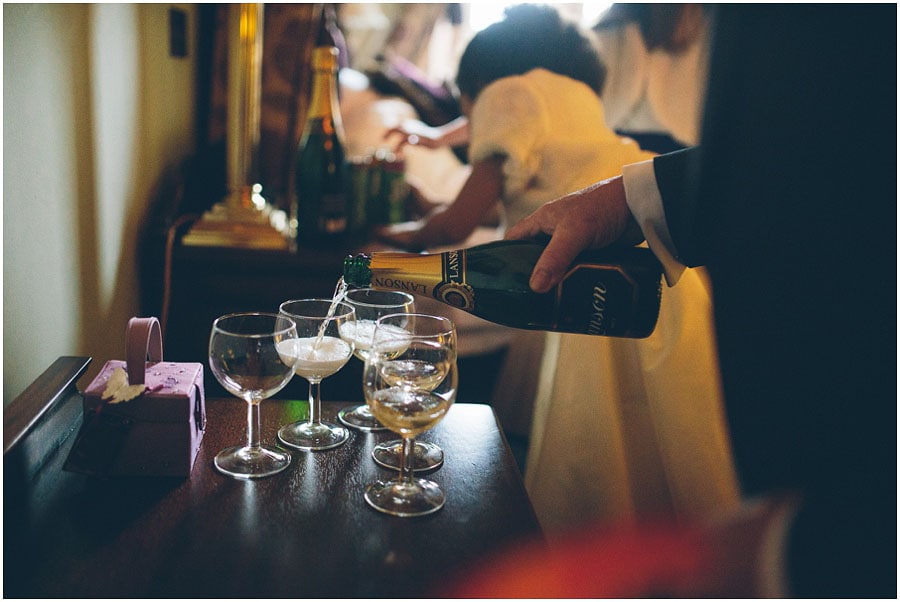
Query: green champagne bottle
{"points": [[321, 172], [610, 292]]}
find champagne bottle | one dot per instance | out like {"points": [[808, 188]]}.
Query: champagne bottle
{"points": [[611, 292], [321, 175]]}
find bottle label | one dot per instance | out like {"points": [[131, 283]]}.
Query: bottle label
{"points": [[416, 274], [601, 297], [453, 289], [399, 284]]}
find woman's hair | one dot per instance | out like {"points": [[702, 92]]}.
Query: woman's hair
{"points": [[529, 36]]}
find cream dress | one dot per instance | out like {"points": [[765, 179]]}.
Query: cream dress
{"points": [[552, 133], [621, 428]]}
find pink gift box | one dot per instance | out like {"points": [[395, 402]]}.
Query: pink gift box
{"points": [[158, 432]]}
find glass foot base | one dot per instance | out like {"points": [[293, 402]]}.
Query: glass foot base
{"points": [[313, 436], [359, 417], [405, 498], [426, 456], [251, 462]]}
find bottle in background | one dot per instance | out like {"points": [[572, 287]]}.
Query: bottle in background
{"points": [[610, 292], [358, 216], [395, 190], [388, 189], [321, 175]]}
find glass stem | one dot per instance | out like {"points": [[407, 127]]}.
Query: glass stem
{"points": [[315, 401], [253, 425], [407, 447]]}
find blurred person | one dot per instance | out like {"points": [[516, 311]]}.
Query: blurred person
{"points": [[534, 124], [529, 90], [616, 429], [635, 429], [789, 200]]}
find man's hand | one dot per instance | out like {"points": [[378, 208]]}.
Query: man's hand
{"points": [[593, 217]]}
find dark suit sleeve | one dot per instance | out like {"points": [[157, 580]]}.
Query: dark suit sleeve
{"points": [[676, 175], [790, 201]]}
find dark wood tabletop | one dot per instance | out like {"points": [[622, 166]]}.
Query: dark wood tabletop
{"points": [[305, 532]]}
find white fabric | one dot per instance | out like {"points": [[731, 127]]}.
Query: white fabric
{"points": [[654, 91], [622, 428], [645, 202], [553, 135], [551, 131], [633, 428]]}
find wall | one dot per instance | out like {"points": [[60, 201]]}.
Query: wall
{"points": [[94, 113]]}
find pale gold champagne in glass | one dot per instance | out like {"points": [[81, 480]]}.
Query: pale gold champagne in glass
{"points": [[369, 305], [409, 389]]}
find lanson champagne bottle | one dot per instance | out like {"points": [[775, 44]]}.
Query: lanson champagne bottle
{"points": [[611, 292], [321, 175]]}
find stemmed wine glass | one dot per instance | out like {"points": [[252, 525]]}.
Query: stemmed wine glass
{"points": [[369, 304], [410, 382], [319, 352], [243, 356]]}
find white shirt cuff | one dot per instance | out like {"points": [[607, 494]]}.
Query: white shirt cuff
{"points": [[645, 202]]}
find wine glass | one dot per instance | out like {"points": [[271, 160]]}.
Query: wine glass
{"points": [[410, 382], [369, 304], [243, 356], [319, 352]]}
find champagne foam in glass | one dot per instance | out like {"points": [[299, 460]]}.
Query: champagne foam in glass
{"points": [[313, 358]]}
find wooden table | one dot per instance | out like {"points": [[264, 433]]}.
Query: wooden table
{"points": [[306, 532]]}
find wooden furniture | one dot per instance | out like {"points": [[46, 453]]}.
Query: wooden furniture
{"points": [[306, 532]]}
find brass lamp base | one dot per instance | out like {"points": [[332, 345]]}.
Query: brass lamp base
{"points": [[245, 221]]}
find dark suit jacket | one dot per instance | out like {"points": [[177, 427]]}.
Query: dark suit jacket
{"points": [[790, 202]]}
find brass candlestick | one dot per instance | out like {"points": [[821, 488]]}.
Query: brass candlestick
{"points": [[243, 218]]}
